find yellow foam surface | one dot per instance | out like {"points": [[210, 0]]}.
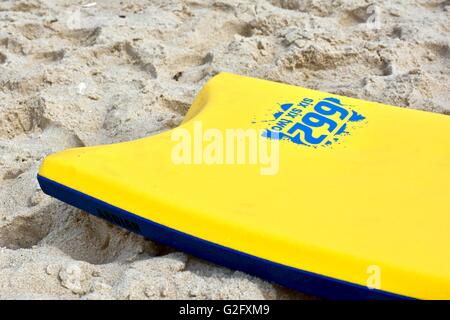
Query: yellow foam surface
{"points": [[367, 187]]}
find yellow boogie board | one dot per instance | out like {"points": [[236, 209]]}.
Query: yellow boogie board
{"points": [[339, 197]]}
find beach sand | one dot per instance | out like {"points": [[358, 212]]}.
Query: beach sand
{"points": [[76, 73]]}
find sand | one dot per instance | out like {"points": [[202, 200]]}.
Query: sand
{"points": [[75, 73]]}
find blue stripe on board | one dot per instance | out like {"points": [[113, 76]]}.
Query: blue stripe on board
{"points": [[304, 281]]}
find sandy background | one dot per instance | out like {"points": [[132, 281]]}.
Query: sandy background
{"points": [[74, 74]]}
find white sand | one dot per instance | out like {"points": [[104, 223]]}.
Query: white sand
{"points": [[100, 78]]}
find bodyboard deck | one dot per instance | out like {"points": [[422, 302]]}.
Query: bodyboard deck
{"points": [[349, 200]]}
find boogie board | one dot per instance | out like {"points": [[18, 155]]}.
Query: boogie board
{"points": [[332, 196]]}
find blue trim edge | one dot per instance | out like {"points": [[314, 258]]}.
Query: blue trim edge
{"points": [[304, 281]]}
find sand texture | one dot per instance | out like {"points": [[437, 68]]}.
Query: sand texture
{"points": [[74, 73]]}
